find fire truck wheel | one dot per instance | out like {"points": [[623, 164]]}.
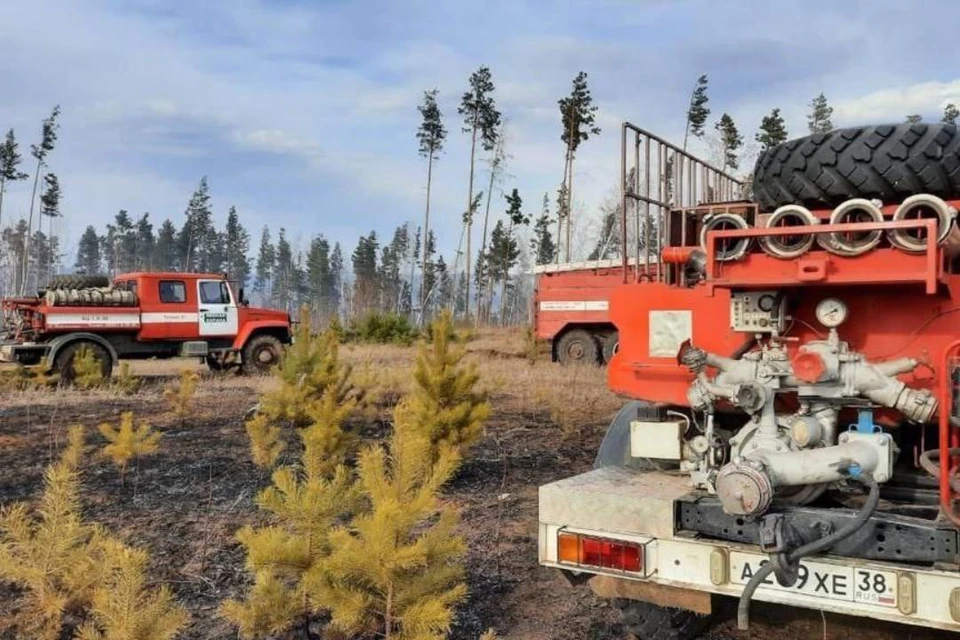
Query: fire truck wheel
{"points": [[889, 162], [615, 447], [646, 621], [78, 281], [578, 347], [611, 345], [261, 354], [63, 365]]}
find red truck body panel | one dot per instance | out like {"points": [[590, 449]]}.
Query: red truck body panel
{"points": [[567, 295]]}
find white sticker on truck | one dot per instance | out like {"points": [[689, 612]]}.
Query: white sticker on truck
{"points": [[93, 320], [822, 580], [668, 330], [574, 305]]}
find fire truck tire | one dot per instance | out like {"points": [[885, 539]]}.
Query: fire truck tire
{"points": [[615, 448], [261, 354], [646, 621], [611, 345], [578, 347], [888, 162], [79, 281], [63, 365]]}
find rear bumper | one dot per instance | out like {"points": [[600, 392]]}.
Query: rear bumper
{"points": [[640, 508]]}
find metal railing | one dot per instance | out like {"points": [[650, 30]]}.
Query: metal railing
{"points": [[657, 178]]}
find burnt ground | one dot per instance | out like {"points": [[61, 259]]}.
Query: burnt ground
{"points": [[185, 503]]}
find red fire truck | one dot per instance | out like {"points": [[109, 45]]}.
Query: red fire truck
{"points": [[792, 364], [139, 316], [571, 310]]}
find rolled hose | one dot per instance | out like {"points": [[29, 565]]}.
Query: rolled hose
{"points": [[817, 546]]}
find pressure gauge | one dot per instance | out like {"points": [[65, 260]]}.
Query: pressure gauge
{"points": [[831, 312]]}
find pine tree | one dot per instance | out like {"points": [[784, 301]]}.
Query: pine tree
{"points": [[53, 556], [126, 442], [498, 159], [697, 111], [914, 118], [146, 244], [730, 140], [431, 135], [443, 294], [48, 138], [266, 257], [305, 500], [578, 117], [542, 245], [122, 608], [395, 572], [319, 277], [180, 395], [430, 272], [336, 279], [9, 165], [366, 287], [820, 113], [309, 368], [237, 246], [166, 249], [284, 276], [196, 229], [88, 252], [445, 405], [120, 244], [480, 118], [608, 244], [772, 131], [49, 208], [950, 113]]}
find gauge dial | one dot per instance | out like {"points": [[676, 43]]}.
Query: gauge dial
{"points": [[831, 312]]}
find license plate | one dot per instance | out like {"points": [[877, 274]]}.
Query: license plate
{"points": [[822, 580]]}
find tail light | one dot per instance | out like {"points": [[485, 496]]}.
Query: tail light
{"points": [[591, 551]]}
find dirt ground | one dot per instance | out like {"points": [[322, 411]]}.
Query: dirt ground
{"points": [[185, 503]]}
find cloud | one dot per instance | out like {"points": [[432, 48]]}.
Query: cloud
{"points": [[893, 104]]}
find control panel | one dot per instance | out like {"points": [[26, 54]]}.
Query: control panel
{"points": [[756, 311]]}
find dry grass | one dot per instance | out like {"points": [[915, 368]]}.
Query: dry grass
{"points": [[544, 392]]}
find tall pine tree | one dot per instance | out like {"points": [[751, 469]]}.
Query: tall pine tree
{"points": [[236, 247], [820, 113], [481, 119], [9, 166], [49, 129], [578, 117], [772, 131], [730, 141], [697, 111], [165, 253], [264, 269], [88, 252], [196, 230], [431, 135]]}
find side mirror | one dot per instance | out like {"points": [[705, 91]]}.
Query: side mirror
{"points": [[243, 298]]}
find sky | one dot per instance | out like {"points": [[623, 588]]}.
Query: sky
{"points": [[303, 113]]}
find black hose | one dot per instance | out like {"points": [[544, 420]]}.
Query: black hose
{"points": [[791, 558]]}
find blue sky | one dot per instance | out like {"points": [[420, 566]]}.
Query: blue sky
{"points": [[303, 113]]}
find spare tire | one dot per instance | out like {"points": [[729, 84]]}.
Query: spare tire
{"points": [[887, 162], [78, 281]]}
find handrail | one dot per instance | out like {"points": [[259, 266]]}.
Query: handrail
{"points": [[931, 253], [673, 179]]}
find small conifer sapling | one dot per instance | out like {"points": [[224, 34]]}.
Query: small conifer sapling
{"points": [[180, 395], [126, 442]]}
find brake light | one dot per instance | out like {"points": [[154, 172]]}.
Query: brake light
{"points": [[591, 551]]}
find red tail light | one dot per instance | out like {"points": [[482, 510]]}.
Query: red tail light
{"points": [[574, 548]]}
